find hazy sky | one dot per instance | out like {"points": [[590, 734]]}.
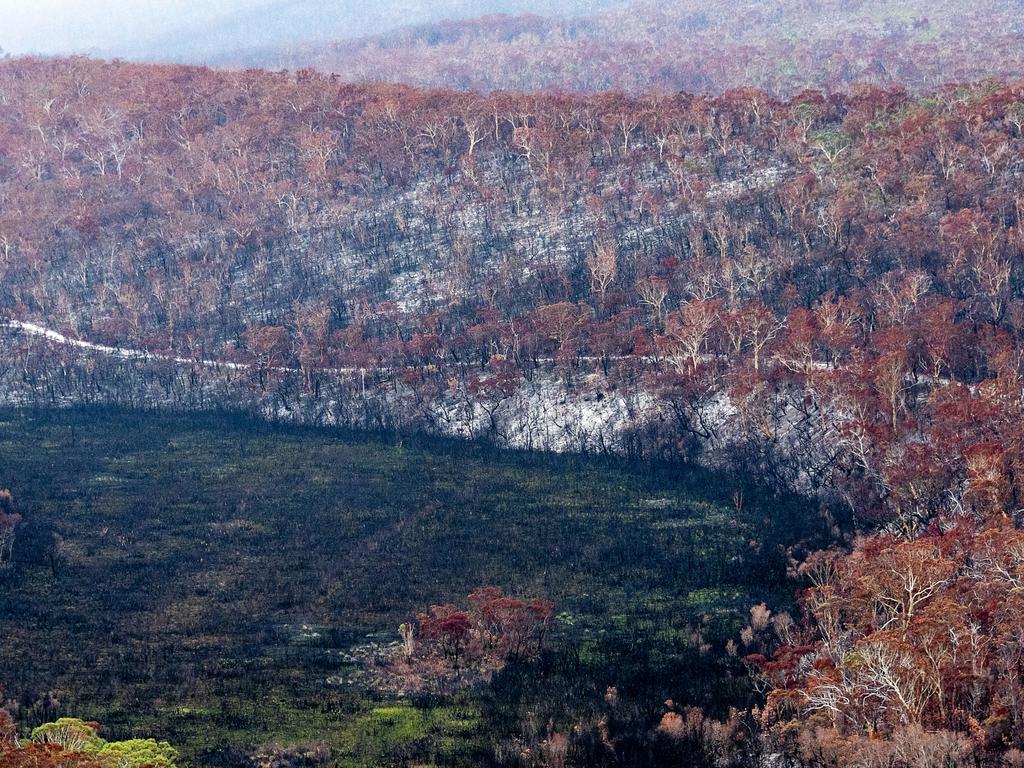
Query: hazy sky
{"points": [[59, 26]]}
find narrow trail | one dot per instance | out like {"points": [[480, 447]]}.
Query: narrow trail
{"points": [[32, 329], [126, 353]]}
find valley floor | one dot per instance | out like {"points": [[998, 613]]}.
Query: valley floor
{"points": [[219, 582]]}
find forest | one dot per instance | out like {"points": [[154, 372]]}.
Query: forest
{"points": [[593, 418]]}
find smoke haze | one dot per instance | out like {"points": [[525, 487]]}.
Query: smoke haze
{"points": [[187, 30]]}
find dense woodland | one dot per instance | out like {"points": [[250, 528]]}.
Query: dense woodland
{"points": [[698, 46], [823, 293]]}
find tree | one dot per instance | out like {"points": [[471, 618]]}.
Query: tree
{"points": [[907, 632], [762, 328], [493, 388], [689, 331], [269, 347], [8, 733], [562, 323], [603, 265], [890, 375], [653, 291], [452, 646], [139, 753], [70, 734], [753, 327], [447, 629], [514, 628], [988, 479], [79, 744], [9, 521]]}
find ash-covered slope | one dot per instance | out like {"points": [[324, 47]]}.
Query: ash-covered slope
{"points": [[829, 286]]}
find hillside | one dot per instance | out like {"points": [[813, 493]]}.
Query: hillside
{"points": [[641, 276], [736, 300], [700, 46]]}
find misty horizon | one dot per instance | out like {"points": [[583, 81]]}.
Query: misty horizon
{"points": [[185, 30]]}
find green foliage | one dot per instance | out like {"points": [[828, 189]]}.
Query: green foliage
{"points": [[69, 733], [397, 733], [1015, 114], [77, 735], [831, 143], [393, 728], [139, 753]]}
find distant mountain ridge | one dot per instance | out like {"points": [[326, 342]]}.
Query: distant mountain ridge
{"points": [[693, 45], [283, 24]]}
